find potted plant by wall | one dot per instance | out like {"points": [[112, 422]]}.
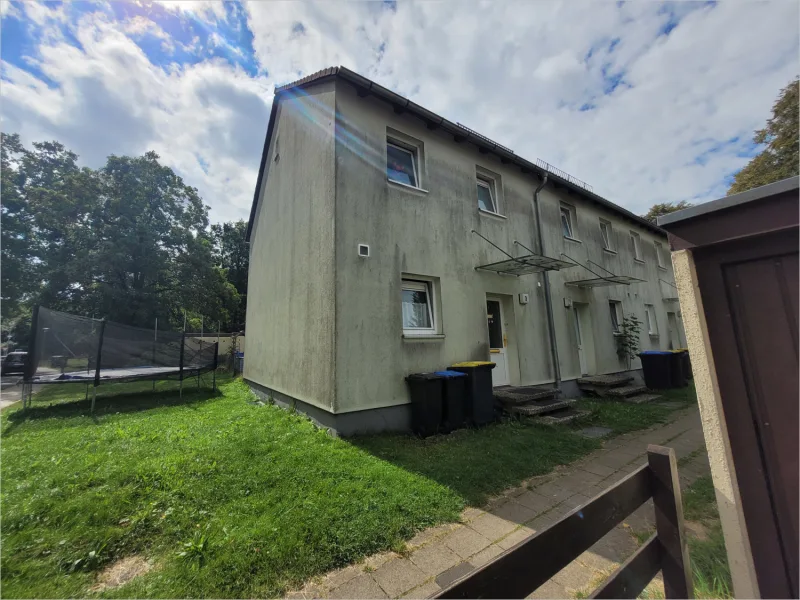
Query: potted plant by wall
{"points": [[628, 339]]}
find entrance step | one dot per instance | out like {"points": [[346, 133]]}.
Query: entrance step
{"points": [[562, 416], [510, 396], [641, 398], [600, 384], [624, 391], [540, 407]]}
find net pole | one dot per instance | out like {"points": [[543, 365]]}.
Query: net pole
{"points": [[155, 342], [202, 331], [97, 364], [183, 344], [32, 361]]}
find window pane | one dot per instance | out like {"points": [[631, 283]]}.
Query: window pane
{"points": [[415, 310], [604, 229], [485, 200], [614, 319], [566, 222], [495, 327], [400, 165]]}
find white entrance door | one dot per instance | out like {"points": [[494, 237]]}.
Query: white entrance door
{"points": [[580, 340], [674, 337], [497, 342]]}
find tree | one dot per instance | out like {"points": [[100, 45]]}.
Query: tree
{"points": [[781, 157], [664, 208], [232, 254]]}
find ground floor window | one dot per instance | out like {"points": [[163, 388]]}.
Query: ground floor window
{"points": [[418, 314], [650, 316], [616, 315]]}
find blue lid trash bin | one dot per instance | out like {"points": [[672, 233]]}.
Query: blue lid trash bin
{"points": [[426, 402], [479, 397], [453, 399]]}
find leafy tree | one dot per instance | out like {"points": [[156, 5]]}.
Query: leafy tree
{"points": [[232, 254], [781, 157], [628, 339], [664, 208]]}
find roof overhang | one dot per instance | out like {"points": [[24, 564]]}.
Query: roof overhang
{"points": [[603, 281], [525, 265]]}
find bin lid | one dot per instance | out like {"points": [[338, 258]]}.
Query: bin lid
{"points": [[422, 377], [677, 350], [474, 363], [450, 374], [651, 352]]}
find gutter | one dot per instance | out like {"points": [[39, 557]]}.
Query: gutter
{"points": [[551, 327]]}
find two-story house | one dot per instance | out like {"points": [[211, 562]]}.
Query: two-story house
{"points": [[386, 240]]}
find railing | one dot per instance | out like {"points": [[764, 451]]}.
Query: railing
{"points": [[563, 174], [522, 569]]}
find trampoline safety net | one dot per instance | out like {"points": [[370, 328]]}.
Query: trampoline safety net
{"points": [[71, 349]]}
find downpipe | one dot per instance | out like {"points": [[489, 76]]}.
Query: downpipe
{"points": [[547, 300]]}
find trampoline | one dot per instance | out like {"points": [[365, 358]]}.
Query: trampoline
{"points": [[67, 348]]}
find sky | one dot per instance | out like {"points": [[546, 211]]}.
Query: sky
{"points": [[647, 102]]}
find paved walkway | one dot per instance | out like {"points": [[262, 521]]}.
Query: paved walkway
{"points": [[438, 556]]}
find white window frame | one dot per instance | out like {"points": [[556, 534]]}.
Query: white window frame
{"points": [[418, 285], [618, 312], [569, 211], [659, 258], [608, 237], [636, 240], [650, 318], [414, 161], [491, 185]]}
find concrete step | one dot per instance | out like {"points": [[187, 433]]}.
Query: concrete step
{"points": [[511, 396], [540, 407], [641, 398], [624, 391], [605, 380], [562, 416]]}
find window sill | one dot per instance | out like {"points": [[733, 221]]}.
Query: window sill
{"points": [[572, 239], [655, 335], [610, 251], [405, 186], [423, 337], [488, 213], [662, 267], [639, 260], [616, 333]]}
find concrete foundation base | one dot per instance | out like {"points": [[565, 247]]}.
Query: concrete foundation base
{"points": [[377, 420]]}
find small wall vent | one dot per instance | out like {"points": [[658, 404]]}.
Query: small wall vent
{"points": [[363, 250]]}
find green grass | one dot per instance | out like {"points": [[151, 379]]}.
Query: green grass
{"points": [[232, 498], [712, 576], [257, 498]]}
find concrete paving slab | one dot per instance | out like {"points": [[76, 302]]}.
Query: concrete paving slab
{"points": [[454, 573], [426, 590], [536, 502], [493, 527], [465, 541], [435, 558], [362, 586], [515, 512], [399, 576], [594, 432], [550, 589], [515, 537], [485, 555]]}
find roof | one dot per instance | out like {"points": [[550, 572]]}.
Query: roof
{"points": [[434, 121], [759, 193]]}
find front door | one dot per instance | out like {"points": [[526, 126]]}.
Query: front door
{"points": [[674, 337], [580, 342], [497, 342]]}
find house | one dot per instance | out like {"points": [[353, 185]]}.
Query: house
{"points": [[386, 240], [736, 265]]}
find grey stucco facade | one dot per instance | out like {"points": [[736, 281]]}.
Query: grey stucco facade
{"points": [[324, 324]]}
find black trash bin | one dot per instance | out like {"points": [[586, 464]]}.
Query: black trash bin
{"points": [[454, 399], [479, 397], [426, 402], [687, 362], [662, 370]]}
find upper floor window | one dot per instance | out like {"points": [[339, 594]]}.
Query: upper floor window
{"points": [[659, 255], [568, 221], [401, 164], [487, 196], [636, 246], [607, 233]]}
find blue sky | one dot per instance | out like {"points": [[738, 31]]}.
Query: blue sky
{"points": [[647, 102]]}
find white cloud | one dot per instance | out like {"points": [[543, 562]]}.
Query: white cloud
{"points": [[108, 98], [208, 10]]}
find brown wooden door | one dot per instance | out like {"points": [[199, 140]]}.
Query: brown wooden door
{"points": [[750, 294]]}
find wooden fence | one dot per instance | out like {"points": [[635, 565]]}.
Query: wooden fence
{"points": [[523, 568]]}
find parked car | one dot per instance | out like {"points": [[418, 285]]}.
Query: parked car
{"points": [[14, 362]]}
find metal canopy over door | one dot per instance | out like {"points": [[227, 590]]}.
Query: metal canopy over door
{"points": [[497, 341]]}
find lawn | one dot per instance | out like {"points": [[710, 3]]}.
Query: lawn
{"points": [[228, 497]]}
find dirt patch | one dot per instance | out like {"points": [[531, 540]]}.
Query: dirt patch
{"points": [[121, 572], [696, 530]]}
